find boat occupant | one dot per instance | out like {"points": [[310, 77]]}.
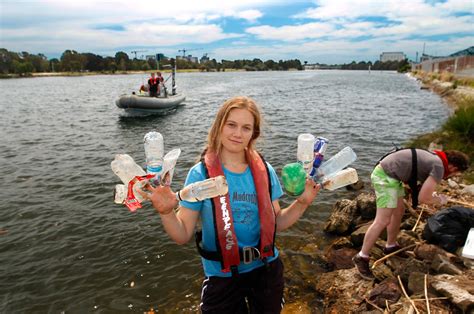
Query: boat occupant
{"points": [[153, 85]]}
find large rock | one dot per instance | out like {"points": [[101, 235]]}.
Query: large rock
{"points": [[427, 252], [366, 205], [342, 216], [416, 283], [341, 258], [459, 289], [411, 265], [442, 264], [468, 190], [388, 290], [343, 291]]}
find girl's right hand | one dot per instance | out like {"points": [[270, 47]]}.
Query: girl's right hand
{"points": [[162, 198], [310, 191]]}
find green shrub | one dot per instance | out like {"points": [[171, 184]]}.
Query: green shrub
{"points": [[462, 122]]}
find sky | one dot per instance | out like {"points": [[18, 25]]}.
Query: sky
{"points": [[318, 31]]}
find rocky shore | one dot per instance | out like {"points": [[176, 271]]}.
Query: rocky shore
{"points": [[424, 278]]}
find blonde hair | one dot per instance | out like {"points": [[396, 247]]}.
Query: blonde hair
{"points": [[238, 102]]}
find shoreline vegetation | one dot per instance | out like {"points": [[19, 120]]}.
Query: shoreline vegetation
{"points": [[73, 63], [429, 279]]}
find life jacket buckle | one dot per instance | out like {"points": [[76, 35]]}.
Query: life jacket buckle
{"points": [[250, 254]]}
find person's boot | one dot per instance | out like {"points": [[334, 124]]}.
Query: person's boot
{"points": [[362, 265]]}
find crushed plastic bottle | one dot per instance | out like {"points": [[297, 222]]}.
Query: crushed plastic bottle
{"points": [[133, 177], [126, 168]]}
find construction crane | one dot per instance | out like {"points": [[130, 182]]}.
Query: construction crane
{"points": [[184, 51], [137, 51]]}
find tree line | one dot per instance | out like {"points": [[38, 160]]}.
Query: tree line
{"points": [[24, 63]]}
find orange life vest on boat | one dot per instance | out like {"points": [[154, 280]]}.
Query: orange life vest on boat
{"points": [[228, 251]]}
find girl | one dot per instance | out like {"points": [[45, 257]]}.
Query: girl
{"points": [[241, 264]]}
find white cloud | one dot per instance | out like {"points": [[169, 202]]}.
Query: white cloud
{"points": [[82, 39], [343, 51], [291, 32], [335, 28], [250, 15]]}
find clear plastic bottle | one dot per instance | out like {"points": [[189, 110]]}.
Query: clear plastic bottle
{"points": [[202, 190], [126, 168], [169, 163], [340, 179], [336, 163], [120, 193], [305, 153], [154, 150]]}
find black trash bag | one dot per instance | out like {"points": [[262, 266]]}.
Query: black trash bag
{"points": [[449, 227]]}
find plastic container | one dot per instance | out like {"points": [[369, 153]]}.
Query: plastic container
{"points": [[294, 178], [120, 193], [202, 190], [336, 163], [468, 249], [169, 163], [320, 147], [305, 151], [340, 179], [154, 150], [126, 168]]}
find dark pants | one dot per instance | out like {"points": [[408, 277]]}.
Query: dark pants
{"points": [[258, 291]]}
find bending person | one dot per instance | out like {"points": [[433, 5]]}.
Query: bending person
{"points": [[388, 178], [243, 271]]}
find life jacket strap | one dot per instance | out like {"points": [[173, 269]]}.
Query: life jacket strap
{"points": [[247, 254]]}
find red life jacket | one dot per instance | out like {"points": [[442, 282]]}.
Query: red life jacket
{"points": [[227, 244], [444, 159]]}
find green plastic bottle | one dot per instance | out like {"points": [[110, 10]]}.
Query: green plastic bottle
{"points": [[294, 178]]}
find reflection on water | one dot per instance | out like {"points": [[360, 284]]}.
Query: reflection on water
{"points": [[66, 246]]}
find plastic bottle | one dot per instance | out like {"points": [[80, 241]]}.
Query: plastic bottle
{"points": [[126, 168], [120, 193], [340, 179], [336, 163], [320, 147], [294, 178], [169, 163], [154, 149], [305, 154], [202, 190]]}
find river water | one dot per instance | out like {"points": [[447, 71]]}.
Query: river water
{"points": [[66, 247]]}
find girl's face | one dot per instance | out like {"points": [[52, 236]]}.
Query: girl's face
{"points": [[237, 131]]}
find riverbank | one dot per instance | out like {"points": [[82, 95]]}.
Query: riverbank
{"points": [[428, 278], [91, 73]]}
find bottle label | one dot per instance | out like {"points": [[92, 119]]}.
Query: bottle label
{"points": [[132, 202], [154, 170]]}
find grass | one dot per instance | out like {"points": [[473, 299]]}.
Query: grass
{"points": [[457, 133]]}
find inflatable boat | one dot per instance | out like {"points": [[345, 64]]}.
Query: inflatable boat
{"points": [[142, 103]]}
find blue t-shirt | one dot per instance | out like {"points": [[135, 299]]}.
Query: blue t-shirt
{"points": [[243, 202]]}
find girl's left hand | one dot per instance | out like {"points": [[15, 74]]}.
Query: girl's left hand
{"points": [[311, 189]]}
